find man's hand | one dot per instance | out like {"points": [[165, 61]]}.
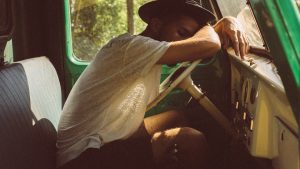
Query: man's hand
{"points": [[230, 33]]}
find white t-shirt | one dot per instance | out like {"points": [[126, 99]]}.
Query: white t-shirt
{"points": [[108, 102]]}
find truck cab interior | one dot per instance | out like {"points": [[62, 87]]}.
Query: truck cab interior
{"points": [[252, 114]]}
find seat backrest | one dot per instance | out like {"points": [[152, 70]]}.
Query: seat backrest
{"points": [[44, 89], [30, 106]]}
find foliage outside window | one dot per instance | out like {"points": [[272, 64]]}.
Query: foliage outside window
{"points": [[8, 52], [95, 22]]}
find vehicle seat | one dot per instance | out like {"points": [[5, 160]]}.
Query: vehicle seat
{"points": [[30, 107]]}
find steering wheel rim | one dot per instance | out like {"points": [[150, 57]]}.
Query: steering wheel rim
{"points": [[167, 86]]}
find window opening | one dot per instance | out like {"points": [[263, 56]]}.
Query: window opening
{"points": [[95, 22]]}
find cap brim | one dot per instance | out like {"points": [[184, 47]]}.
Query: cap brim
{"points": [[147, 11]]}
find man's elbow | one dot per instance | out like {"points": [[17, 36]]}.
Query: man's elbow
{"points": [[214, 41], [215, 44]]}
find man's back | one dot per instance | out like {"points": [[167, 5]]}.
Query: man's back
{"points": [[109, 100]]}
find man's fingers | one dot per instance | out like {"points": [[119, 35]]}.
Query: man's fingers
{"points": [[225, 40], [226, 43], [247, 43], [242, 44], [221, 36], [235, 43]]}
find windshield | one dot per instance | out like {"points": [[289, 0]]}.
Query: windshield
{"points": [[248, 23]]}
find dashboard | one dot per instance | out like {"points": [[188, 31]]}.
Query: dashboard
{"points": [[261, 114]]}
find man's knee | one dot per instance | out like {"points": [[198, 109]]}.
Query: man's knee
{"points": [[192, 146], [191, 139], [186, 145]]}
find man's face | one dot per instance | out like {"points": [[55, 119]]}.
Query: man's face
{"points": [[177, 29]]}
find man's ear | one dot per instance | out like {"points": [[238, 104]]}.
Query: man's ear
{"points": [[155, 25]]}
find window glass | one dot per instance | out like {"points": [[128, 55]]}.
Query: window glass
{"points": [[94, 22], [231, 7], [248, 23]]}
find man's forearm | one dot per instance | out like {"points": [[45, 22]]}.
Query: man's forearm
{"points": [[203, 44]]}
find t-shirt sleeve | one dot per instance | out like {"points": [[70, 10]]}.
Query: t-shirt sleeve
{"points": [[141, 55]]}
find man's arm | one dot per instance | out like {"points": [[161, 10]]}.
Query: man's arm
{"points": [[207, 41], [203, 44]]}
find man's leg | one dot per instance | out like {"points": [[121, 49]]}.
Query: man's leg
{"points": [[179, 148], [120, 154], [174, 144], [161, 122]]}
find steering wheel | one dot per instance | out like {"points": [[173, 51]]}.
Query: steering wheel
{"points": [[181, 77], [173, 80]]}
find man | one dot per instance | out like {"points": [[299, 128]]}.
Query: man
{"points": [[102, 125]]}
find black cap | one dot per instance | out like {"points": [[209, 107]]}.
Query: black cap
{"points": [[193, 7]]}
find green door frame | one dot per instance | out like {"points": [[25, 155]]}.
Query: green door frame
{"points": [[279, 21], [73, 66]]}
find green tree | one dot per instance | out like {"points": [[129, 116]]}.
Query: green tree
{"points": [[139, 24], [94, 22], [130, 17]]}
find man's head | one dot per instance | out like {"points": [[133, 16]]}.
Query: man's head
{"points": [[172, 20]]}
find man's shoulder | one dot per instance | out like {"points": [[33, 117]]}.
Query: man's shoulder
{"points": [[120, 40], [127, 37]]}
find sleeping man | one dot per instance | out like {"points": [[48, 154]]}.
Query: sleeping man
{"points": [[102, 125]]}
